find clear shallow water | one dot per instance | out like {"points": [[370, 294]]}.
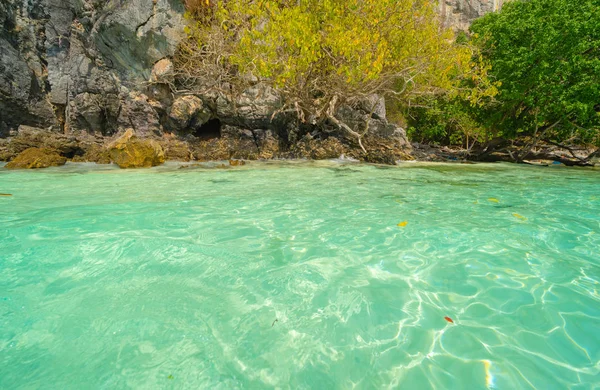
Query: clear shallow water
{"points": [[169, 278]]}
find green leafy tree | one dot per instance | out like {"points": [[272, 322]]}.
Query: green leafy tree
{"points": [[546, 54], [449, 121]]}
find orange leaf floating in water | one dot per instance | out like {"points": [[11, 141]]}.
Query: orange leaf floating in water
{"points": [[493, 200], [449, 320], [402, 224]]}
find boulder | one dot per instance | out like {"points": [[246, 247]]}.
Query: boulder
{"points": [[36, 158], [253, 109], [129, 151], [385, 157], [378, 126], [162, 71], [67, 145], [374, 104], [33, 137], [188, 112], [137, 112], [93, 113], [176, 150], [5, 154], [95, 153]]}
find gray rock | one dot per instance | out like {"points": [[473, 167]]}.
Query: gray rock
{"points": [[374, 104], [137, 113], [21, 94], [135, 34], [188, 113], [93, 113], [252, 109], [381, 128], [63, 61], [460, 13]]}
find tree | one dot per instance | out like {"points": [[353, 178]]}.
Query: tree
{"points": [[447, 120], [546, 53], [322, 54]]}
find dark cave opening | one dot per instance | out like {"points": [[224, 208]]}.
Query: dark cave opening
{"points": [[209, 130]]}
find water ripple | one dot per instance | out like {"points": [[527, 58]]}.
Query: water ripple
{"points": [[298, 275]]}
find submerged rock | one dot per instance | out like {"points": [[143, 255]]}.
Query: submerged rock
{"points": [[36, 158], [129, 151]]}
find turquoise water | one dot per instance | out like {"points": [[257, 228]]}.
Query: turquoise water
{"points": [[297, 275]]}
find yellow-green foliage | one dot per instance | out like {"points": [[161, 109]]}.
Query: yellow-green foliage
{"points": [[322, 53], [351, 43], [199, 9]]}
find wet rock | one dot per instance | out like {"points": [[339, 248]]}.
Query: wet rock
{"points": [[380, 157], [5, 155], [188, 113], [235, 143], [32, 137], [215, 149], [237, 163], [519, 150], [382, 150], [176, 150], [225, 149], [33, 158], [318, 149], [96, 153], [129, 151]]}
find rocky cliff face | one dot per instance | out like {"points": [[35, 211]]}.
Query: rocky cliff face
{"points": [[460, 13], [82, 67]]}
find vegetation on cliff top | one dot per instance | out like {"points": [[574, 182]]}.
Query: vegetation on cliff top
{"points": [[323, 54], [531, 69]]}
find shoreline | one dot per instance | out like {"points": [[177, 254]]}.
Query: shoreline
{"points": [[225, 165]]}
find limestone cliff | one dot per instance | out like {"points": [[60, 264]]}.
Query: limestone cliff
{"points": [[79, 65], [93, 68], [460, 13]]}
